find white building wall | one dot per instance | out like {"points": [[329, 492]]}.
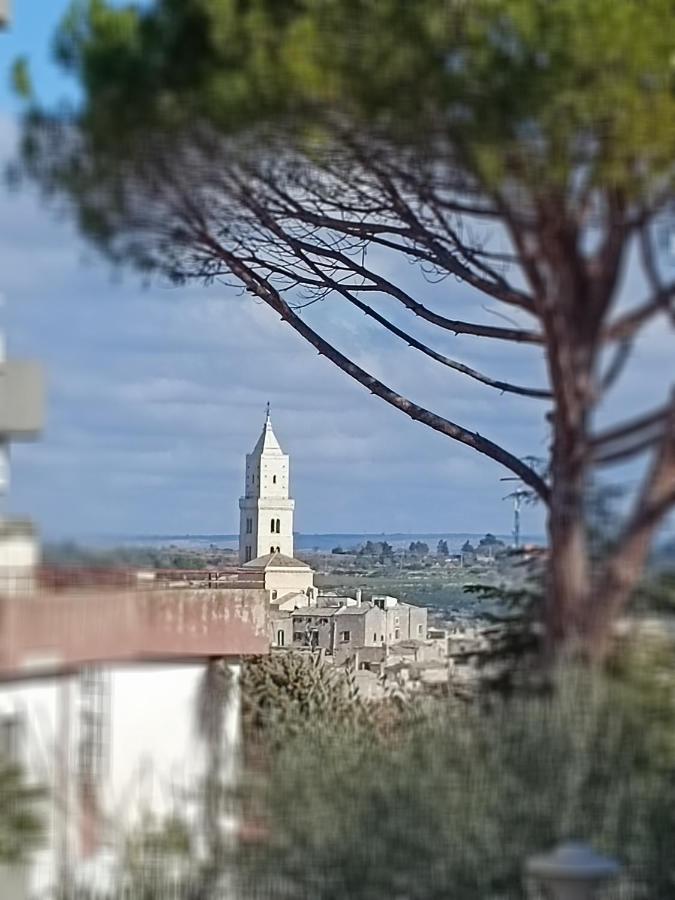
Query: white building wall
{"points": [[286, 581], [154, 755]]}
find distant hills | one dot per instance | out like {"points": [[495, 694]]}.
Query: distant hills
{"points": [[317, 542]]}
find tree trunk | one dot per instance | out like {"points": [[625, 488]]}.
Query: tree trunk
{"points": [[568, 581], [618, 578]]}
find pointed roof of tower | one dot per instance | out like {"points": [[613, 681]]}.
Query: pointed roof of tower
{"points": [[267, 442]]}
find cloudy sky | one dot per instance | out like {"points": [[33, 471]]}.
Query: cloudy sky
{"points": [[155, 394]]}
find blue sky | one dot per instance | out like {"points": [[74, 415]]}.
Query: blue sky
{"points": [[155, 394]]}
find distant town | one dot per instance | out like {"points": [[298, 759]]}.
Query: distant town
{"points": [[402, 611]]}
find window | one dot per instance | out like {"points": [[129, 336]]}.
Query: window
{"points": [[274, 595], [298, 636], [247, 556], [382, 638], [271, 549], [397, 634], [375, 638], [278, 550], [280, 638], [274, 479], [419, 629], [272, 526], [278, 526], [395, 620], [249, 526], [345, 635]]}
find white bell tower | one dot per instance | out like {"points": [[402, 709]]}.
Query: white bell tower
{"points": [[266, 512]]}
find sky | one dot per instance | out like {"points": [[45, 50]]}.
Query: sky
{"points": [[156, 393]]}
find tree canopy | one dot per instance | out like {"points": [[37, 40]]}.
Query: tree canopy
{"points": [[526, 84], [522, 147]]}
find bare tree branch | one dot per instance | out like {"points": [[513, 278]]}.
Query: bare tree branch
{"points": [[617, 365], [257, 286], [505, 387], [517, 335], [627, 325], [655, 417]]}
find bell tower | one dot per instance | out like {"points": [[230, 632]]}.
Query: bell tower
{"points": [[266, 511]]}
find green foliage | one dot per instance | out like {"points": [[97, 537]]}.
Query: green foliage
{"points": [[442, 549], [657, 594], [282, 692], [158, 859], [418, 548], [21, 820], [386, 553], [21, 80], [532, 95], [509, 659], [69, 553], [490, 543], [524, 86], [380, 551], [453, 806]]}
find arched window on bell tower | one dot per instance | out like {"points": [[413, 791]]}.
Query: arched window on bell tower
{"points": [[278, 526]]}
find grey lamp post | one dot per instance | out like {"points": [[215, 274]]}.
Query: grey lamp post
{"points": [[572, 871]]}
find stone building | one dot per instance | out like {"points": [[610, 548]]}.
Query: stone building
{"points": [[341, 626], [403, 620], [290, 582], [337, 629]]}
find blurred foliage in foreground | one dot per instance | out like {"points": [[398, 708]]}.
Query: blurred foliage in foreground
{"points": [[21, 820], [287, 693], [448, 799], [452, 806]]}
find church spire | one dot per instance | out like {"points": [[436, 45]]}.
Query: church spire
{"points": [[267, 442], [266, 524]]}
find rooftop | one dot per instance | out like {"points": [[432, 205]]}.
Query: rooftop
{"points": [[316, 611], [355, 610], [276, 561], [324, 611]]}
